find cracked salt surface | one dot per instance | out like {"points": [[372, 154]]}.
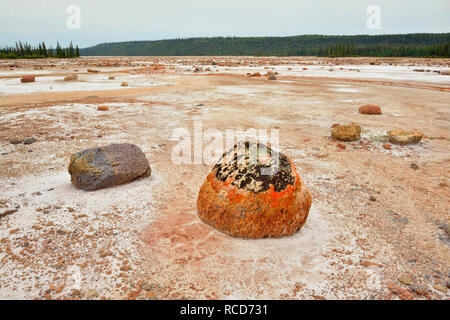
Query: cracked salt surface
{"points": [[299, 256], [133, 203]]}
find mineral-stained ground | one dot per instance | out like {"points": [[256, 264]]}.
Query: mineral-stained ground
{"points": [[379, 223]]}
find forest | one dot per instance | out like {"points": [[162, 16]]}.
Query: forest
{"points": [[26, 51], [399, 45]]}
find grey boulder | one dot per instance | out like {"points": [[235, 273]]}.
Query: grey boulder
{"points": [[102, 167]]}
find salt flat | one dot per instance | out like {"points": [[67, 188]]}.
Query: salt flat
{"points": [[144, 240]]}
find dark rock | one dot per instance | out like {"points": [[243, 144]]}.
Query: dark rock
{"points": [[107, 166], [414, 166], [447, 229], [29, 140], [372, 198], [8, 212]]}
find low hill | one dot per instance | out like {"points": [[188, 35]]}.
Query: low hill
{"points": [[401, 45]]}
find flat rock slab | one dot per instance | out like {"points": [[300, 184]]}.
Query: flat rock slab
{"points": [[107, 166], [254, 199], [347, 132], [403, 137]]}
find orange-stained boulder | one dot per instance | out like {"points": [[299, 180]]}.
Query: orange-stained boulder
{"points": [[370, 109], [254, 199]]}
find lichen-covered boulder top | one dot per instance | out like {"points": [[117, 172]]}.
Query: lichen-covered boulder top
{"points": [[102, 167], [254, 199]]}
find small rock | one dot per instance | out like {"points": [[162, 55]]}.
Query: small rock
{"points": [[8, 212], [370, 109], [91, 294], [350, 132], [102, 108], [387, 146], [71, 77], [124, 84], [76, 293], [440, 287], [111, 77], [28, 78], [272, 77], [405, 279], [147, 287], [419, 289], [414, 166], [29, 140], [92, 70], [403, 137], [16, 140], [372, 198], [341, 146], [447, 229], [105, 253]]}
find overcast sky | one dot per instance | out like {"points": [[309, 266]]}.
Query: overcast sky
{"points": [[110, 21]]}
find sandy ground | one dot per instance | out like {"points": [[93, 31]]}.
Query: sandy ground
{"points": [[143, 240]]}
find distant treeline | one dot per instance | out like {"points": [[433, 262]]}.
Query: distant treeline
{"points": [[26, 51], [402, 45]]}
